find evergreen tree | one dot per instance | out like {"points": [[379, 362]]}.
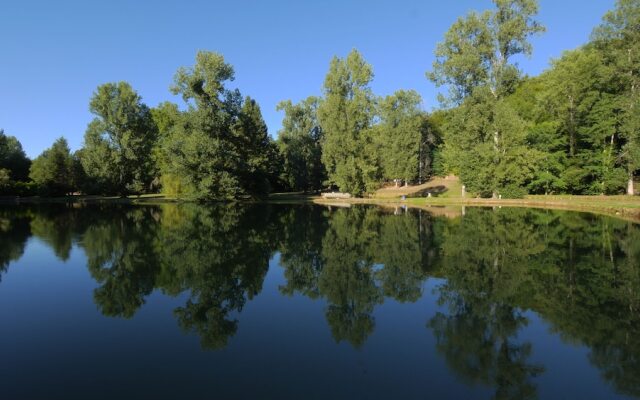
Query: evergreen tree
{"points": [[53, 170]]}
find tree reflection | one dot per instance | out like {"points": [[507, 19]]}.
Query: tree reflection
{"points": [[220, 255], [353, 258], [485, 259], [579, 272], [14, 233], [121, 258], [54, 224]]}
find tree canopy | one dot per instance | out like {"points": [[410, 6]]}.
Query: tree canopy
{"points": [[118, 142], [53, 170], [572, 129]]}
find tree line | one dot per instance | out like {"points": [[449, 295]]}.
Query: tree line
{"points": [[573, 129]]}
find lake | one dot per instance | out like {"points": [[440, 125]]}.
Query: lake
{"points": [[305, 302]]}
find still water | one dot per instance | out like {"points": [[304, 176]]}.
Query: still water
{"points": [[283, 301]]}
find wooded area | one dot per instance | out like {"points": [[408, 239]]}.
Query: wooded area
{"points": [[573, 129]]}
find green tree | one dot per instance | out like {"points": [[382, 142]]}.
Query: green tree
{"points": [[166, 117], [401, 135], [619, 37], [118, 142], [300, 145], [13, 158], [257, 148], [558, 104], [346, 115], [221, 150], [486, 142], [53, 170]]}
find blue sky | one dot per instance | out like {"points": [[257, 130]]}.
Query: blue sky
{"points": [[53, 54]]}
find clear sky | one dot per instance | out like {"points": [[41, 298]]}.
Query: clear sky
{"points": [[53, 54]]}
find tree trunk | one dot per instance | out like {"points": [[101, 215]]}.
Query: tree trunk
{"points": [[572, 133], [630, 188]]}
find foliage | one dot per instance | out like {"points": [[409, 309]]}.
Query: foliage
{"points": [[400, 135], [53, 170], [346, 115], [300, 145], [13, 159], [573, 129], [118, 142], [485, 140], [219, 149]]}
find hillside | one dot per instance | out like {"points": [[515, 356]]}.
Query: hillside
{"points": [[447, 187]]}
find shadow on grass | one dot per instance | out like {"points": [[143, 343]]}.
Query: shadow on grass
{"points": [[435, 191]]}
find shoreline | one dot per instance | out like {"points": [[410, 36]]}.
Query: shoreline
{"points": [[613, 206], [623, 207]]}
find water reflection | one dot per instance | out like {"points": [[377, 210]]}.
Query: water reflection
{"points": [[579, 272]]}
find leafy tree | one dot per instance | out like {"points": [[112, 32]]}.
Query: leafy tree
{"points": [[13, 158], [474, 60], [53, 170], [619, 38], [219, 149], [118, 142], [166, 117], [401, 135], [300, 145], [346, 115], [258, 150]]}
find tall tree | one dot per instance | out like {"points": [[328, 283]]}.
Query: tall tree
{"points": [[118, 142], [218, 149], [619, 37], [400, 135], [488, 141], [257, 149], [53, 170], [299, 143], [166, 116], [346, 114]]}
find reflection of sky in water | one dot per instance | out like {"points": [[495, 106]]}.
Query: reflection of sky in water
{"points": [[56, 343]]}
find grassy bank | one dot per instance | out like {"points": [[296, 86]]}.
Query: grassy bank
{"points": [[446, 195], [625, 207], [145, 198], [446, 201]]}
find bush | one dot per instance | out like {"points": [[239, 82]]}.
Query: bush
{"points": [[513, 192], [21, 189]]}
